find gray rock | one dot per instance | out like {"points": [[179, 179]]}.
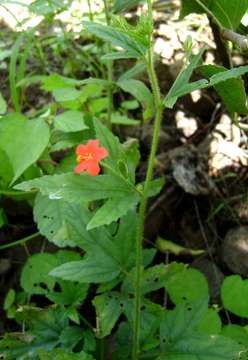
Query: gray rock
{"points": [[235, 250]]}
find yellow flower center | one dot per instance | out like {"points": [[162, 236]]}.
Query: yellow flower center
{"points": [[85, 157]]}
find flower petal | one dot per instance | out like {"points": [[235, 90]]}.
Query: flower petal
{"points": [[81, 167], [81, 149], [93, 168], [100, 153], [92, 145]]}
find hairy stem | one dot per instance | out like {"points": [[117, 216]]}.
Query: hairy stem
{"points": [[143, 203], [110, 70]]}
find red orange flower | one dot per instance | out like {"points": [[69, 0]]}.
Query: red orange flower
{"points": [[88, 157]]}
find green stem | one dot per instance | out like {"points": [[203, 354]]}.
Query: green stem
{"points": [[102, 349], [19, 242], [117, 174], [210, 13], [110, 70], [16, 193], [143, 203], [91, 14]]}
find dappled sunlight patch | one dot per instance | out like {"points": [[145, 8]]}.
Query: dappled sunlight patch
{"points": [[188, 125]]}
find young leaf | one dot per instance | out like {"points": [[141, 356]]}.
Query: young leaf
{"points": [[141, 92], [118, 55], [70, 121], [55, 81], [111, 143], [23, 141], [45, 7], [117, 38], [182, 87], [124, 5], [69, 98], [112, 210], [123, 120], [182, 79], [231, 91], [135, 70], [228, 74]]}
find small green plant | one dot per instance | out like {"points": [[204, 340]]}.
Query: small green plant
{"points": [[92, 206]]}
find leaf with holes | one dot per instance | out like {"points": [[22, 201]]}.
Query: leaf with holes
{"points": [[153, 278], [68, 293], [34, 277], [115, 255], [96, 241], [44, 328], [58, 220], [187, 284], [108, 310], [181, 340], [150, 314]]}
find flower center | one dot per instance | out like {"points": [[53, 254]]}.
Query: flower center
{"points": [[84, 157]]}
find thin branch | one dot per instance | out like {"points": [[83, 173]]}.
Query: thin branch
{"points": [[241, 41]]}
